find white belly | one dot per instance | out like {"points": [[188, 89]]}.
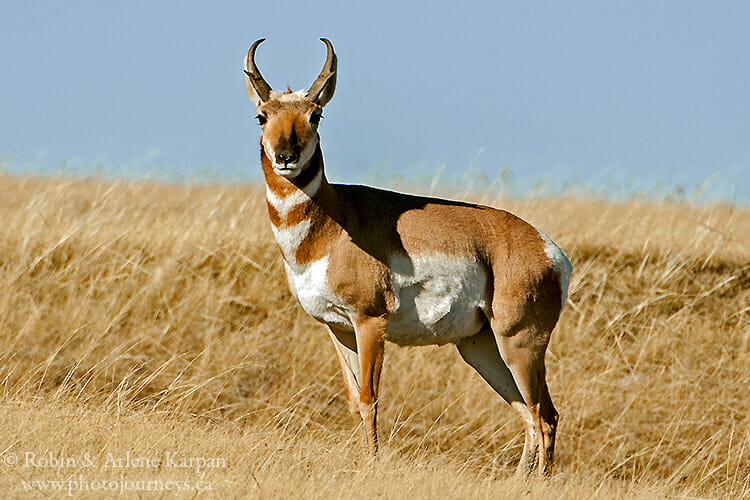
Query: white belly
{"points": [[440, 299]]}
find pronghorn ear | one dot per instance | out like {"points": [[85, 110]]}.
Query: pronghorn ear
{"points": [[257, 88], [321, 91]]}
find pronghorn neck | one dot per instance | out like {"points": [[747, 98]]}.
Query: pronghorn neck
{"points": [[298, 207]]}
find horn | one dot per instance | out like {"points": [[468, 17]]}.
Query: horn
{"points": [[322, 88], [254, 78]]}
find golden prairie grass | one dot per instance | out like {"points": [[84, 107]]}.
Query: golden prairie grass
{"points": [[140, 319]]}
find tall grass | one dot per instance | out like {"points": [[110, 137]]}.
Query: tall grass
{"points": [[162, 312]]}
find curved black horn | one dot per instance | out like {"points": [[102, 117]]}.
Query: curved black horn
{"points": [[254, 81], [322, 88]]}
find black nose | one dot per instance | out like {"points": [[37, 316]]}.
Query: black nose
{"points": [[286, 158]]}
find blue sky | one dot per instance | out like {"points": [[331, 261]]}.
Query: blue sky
{"points": [[621, 96]]}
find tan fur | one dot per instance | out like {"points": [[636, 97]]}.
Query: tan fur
{"points": [[358, 232], [287, 116]]}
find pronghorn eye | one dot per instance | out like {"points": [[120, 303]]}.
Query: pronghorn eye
{"points": [[315, 118], [261, 119]]}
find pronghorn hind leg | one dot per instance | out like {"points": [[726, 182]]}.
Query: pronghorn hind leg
{"points": [[549, 427], [370, 333], [481, 352], [523, 352], [345, 344]]}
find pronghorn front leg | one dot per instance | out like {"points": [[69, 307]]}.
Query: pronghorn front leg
{"points": [[345, 344], [370, 333]]}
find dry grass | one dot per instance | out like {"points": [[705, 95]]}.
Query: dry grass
{"points": [[139, 318]]}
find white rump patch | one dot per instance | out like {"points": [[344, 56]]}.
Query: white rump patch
{"points": [[440, 299], [560, 263]]}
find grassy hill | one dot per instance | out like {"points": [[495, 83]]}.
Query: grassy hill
{"points": [[139, 319]]}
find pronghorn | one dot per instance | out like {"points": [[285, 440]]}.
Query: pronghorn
{"points": [[376, 265]]}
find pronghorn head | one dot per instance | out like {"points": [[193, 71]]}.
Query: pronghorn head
{"points": [[289, 120]]}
